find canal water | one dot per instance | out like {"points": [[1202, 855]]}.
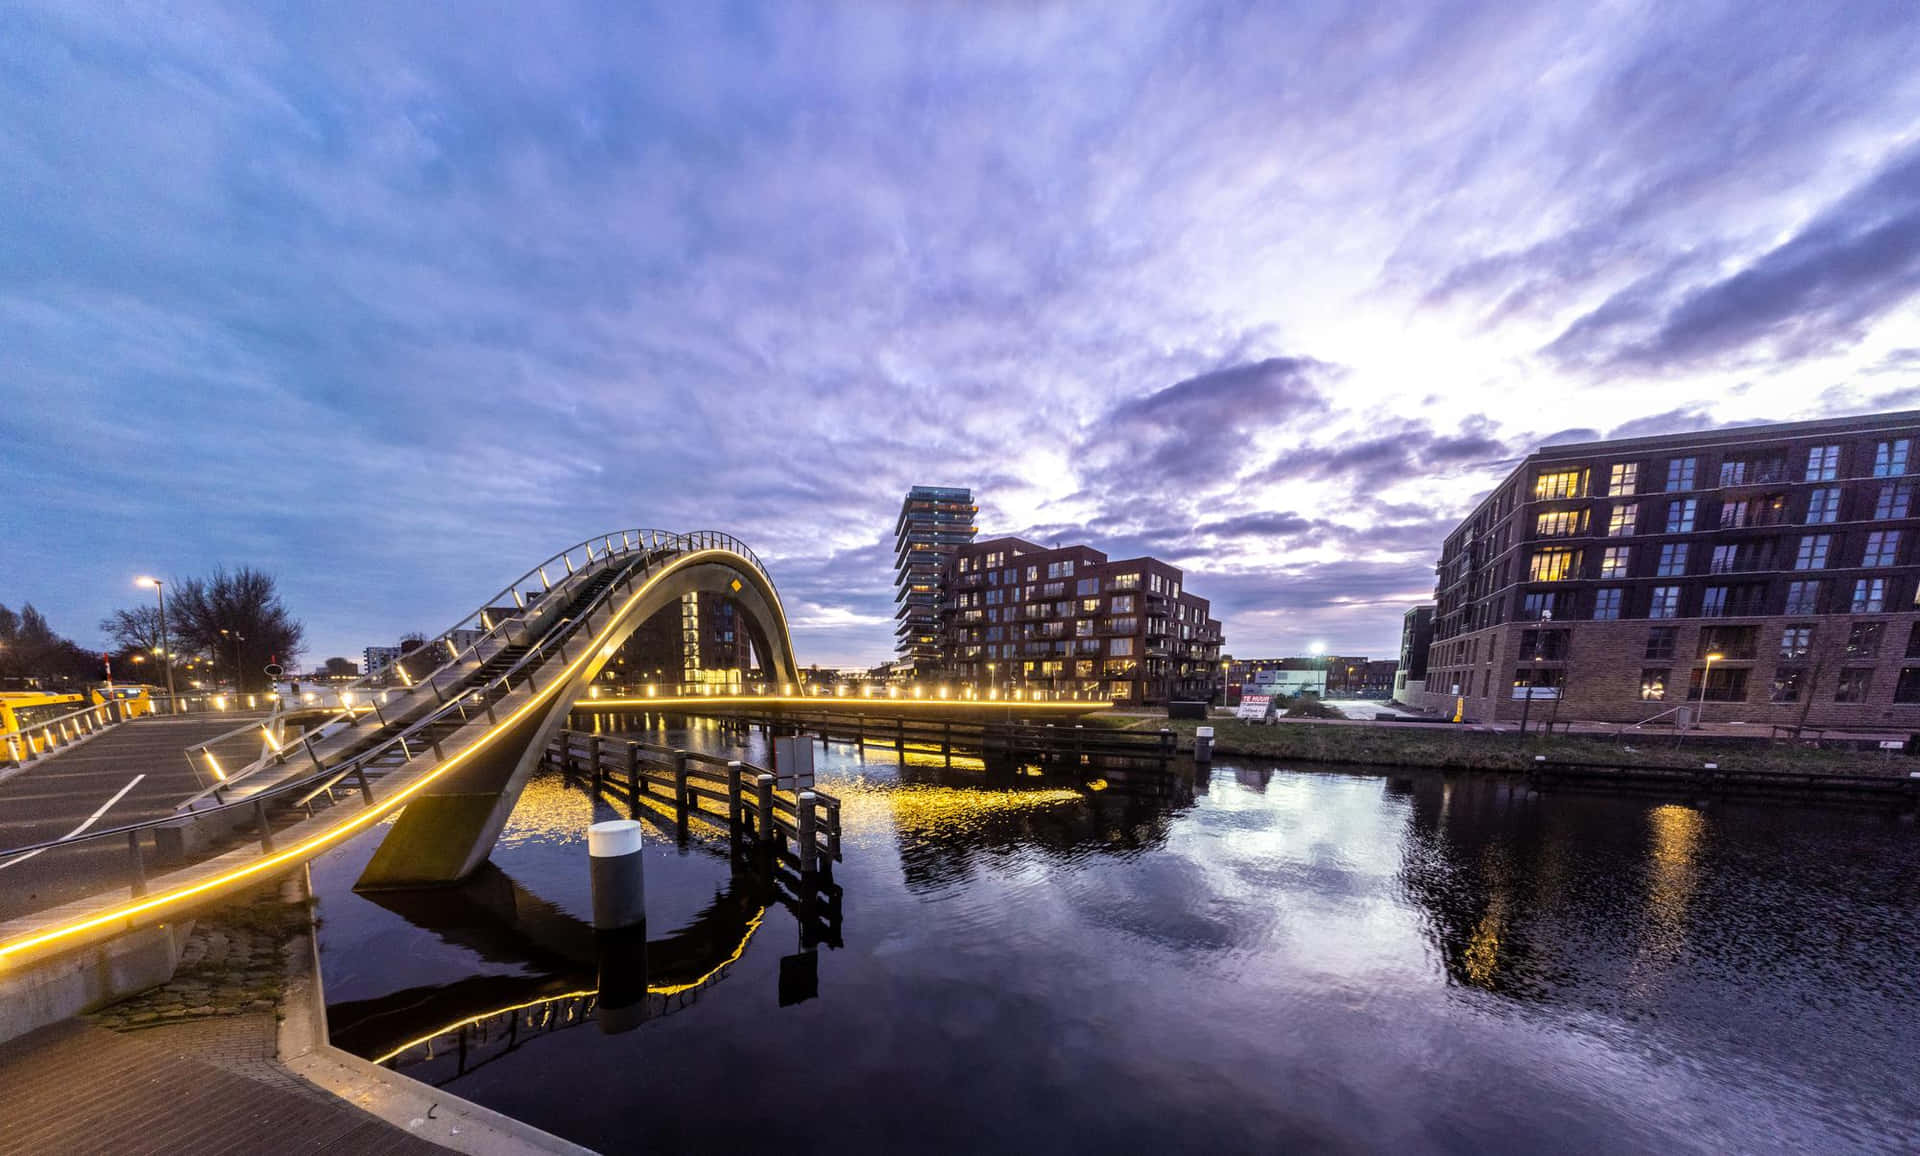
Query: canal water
{"points": [[1260, 959]]}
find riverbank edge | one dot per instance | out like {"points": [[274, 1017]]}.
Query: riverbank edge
{"points": [[430, 1113]]}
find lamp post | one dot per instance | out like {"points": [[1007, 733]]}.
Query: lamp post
{"points": [[236, 638], [166, 648], [1706, 676]]}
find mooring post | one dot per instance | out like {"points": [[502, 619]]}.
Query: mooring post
{"points": [[735, 804], [680, 796], [946, 740], [900, 738], [764, 786], [833, 831], [1166, 747], [631, 759], [804, 820], [1079, 733], [1203, 745], [593, 759], [618, 874]]}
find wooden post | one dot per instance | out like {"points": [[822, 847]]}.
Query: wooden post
{"points": [[804, 819], [833, 831], [735, 804], [764, 800], [632, 766], [593, 759], [900, 738], [946, 740], [680, 797], [1079, 733]]}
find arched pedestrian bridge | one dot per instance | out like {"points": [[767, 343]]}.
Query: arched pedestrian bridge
{"points": [[449, 748]]}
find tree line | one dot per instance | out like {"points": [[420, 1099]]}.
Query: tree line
{"points": [[222, 628]]}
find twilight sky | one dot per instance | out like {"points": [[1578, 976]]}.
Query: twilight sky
{"points": [[394, 300]]}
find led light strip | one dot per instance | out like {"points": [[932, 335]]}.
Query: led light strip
{"points": [[14, 949]]}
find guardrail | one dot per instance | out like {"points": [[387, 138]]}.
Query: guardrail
{"points": [[43, 738]]}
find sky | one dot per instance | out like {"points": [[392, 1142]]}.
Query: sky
{"points": [[395, 300]]}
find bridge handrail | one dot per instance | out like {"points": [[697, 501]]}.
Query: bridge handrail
{"points": [[630, 540], [23, 736], [366, 680], [340, 771]]}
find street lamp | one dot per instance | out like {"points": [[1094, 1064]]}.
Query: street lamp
{"points": [[166, 648], [1706, 676], [236, 638]]}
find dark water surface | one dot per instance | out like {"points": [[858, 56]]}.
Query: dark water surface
{"points": [[1259, 959]]}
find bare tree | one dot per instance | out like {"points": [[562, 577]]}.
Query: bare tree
{"points": [[237, 618]]}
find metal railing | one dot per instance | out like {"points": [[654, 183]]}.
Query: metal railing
{"points": [[43, 738], [316, 788]]}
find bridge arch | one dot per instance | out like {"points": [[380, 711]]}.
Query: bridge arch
{"points": [[447, 831]]}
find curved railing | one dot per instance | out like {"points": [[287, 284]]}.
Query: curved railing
{"points": [[316, 788]]}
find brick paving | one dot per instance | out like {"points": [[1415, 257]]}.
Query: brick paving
{"points": [[206, 1088]]}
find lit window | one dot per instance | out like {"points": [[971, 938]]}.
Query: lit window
{"points": [[1615, 560], [1554, 565], [1606, 602], [1560, 524], [1823, 505], [1680, 515], [1894, 500], [1823, 463], [1812, 554], [1626, 516], [1869, 595], [1561, 484], [1624, 479], [1653, 685], [1882, 545], [1666, 602], [1673, 560], [1803, 598], [1890, 458], [1680, 474]]}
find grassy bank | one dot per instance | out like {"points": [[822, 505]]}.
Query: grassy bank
{"points": [[1447, 747]]}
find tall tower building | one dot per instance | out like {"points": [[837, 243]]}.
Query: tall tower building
{"points": [[934, 522]]}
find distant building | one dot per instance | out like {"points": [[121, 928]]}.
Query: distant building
{"points": [[1416, 636], [1377, 680], [934, 522], [1069, 623], [1764, 574], [375, 659], [703, 644]]}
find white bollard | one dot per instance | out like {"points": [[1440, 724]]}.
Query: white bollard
{"points": [[619, 875], [1203, 744]]}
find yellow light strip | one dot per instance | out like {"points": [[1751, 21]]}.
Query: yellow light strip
{"points": [[753, 925], [361, 819]]}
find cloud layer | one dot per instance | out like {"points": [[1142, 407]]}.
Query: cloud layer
{"points": [[395, 301]]}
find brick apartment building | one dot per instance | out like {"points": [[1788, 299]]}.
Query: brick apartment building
{"points": [[1069, 623], [1764, 574]]}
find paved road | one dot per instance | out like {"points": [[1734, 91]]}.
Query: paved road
{"points": [[135, 771]]}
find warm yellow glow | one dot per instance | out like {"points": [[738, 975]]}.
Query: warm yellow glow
{"points": [[147, 581], [211, 762], [181, 896], [723, 700]]}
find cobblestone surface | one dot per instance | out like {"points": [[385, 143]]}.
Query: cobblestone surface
{"points": [[234, 964]]}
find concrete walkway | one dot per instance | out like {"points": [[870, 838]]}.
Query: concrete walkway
{"points": [[205, 1088]]}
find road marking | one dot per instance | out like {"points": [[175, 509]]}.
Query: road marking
{"points": [[90, 821]]}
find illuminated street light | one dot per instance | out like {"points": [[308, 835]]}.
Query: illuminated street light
{"points": [[166, 648], [1706, 676]]}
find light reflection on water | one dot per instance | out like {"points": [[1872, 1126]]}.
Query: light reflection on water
{"points": [[1253, 959]]}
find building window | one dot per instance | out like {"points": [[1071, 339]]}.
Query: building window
{"points": [[1125, 582], [1907, 690], [1120, 647], [1653, 685], [1733, 473], [1895, 499], [1890, 458], [1680, 474], [1803, 598], [1796, 642], [1853, 685], [1537, 606], [1869, 596], [1660, 641], [1823, 463], [1086, 586], [1624, 478], [1561, 484], [1547, 645], [1863, 639], [1823, 505], [1723, 684], [1122, 604], [1560, 524], [1727, 641], [1723, 560], [1615, 560], [1913, 641], [1606, 602], [1673, 559], [1787, 684], [1812, 554], [1680, 515], [1624, 520], [1666, 602], [1555, 565], [1089, 606], [1882, 545], [1713, 602]]}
